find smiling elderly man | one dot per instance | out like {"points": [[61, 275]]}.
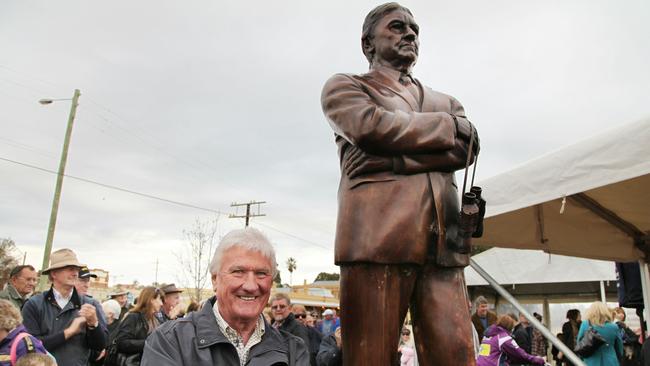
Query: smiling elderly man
{"points": [[230, 329]]}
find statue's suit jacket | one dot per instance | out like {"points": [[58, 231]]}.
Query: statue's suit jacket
{"points": [[408, 214]]}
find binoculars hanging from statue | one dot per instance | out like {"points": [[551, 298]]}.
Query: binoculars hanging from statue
{"points": [[470, 226]]}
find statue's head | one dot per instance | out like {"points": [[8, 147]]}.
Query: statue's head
{"points": [[390, 37]]}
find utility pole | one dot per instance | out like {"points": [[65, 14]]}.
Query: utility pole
{"points": [[248, 210], [59, 183], [156, 272]]}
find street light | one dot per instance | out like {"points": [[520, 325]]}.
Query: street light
{"points": [[59, 183]]}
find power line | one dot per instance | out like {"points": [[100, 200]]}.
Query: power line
{"points": [[322, 246], [115, 187], [150, 196]]}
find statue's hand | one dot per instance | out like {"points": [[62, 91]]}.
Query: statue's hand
{"points": [[357, 162]]}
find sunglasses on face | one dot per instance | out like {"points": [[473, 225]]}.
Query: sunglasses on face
{"points": [[300, 316], [406, 334]]}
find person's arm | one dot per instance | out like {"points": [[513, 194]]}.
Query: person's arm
{"points": [[52, 341], [127, 340], [517, 354], [355, 116], [97, 336]]}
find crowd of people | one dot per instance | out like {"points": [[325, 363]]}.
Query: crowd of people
{"points": [[511, 340], [242, 323]]}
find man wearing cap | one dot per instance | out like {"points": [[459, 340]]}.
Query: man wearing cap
{"points": [[67, 323], [329, 323], [172, 298], [22, 280], [122, 299]]}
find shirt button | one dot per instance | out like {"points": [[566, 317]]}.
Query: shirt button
{"points": [[202, 341]]}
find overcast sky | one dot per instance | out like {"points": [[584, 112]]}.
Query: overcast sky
{"points": [[213, 102]]}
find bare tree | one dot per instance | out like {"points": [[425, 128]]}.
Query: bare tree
{"points": [[195, 256], [7, 259], [291, 266]]}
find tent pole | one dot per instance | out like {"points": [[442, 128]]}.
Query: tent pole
{"points": [[645, 281], [535, 323], [603, 297]]}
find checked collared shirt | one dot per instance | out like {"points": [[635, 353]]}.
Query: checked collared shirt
{"points": [[235, 339]]}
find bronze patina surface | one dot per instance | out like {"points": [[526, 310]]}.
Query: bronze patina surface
{"points": [[400, 143]]}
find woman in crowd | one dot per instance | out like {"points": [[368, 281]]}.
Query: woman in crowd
{"points": [[406, 348], [10, 327], [498, 348], [631, 345], [138, 323], [599, 317], [570, 330]]}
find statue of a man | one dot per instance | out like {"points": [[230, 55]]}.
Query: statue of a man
{"points": [[397, 231]]}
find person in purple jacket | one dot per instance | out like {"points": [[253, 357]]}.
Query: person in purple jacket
{"points": [[499, 349], [10, 328]]}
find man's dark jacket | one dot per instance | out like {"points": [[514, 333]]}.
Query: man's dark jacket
{"points": [[329, 353], [480, 329], [46, 321], [196, 340], [523, 336], [291, 325]]}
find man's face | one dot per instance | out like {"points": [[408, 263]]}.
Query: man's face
{"points": [[65, 277], [301, 316], [121, 299], [395, 40], [25, 281], [82, 285], [280, 309], [482, 310], [171, 301], [328, 317], [243, 285]]}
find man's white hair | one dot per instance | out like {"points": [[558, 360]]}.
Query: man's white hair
{"points": [[249, 239], [112, 307]]}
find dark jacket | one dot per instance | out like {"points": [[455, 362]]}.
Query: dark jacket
{"points": [[419, 144], [480, 329], [11, 294], [315, 338], [523, 336], [131, 334], [329, 353], [196, 340], [46, 321], [291, 325]]}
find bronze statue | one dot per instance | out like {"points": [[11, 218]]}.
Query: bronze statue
{"points": [[397, 230]]}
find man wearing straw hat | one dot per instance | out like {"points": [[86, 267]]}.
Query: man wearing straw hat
{"points": [[65, 321]]}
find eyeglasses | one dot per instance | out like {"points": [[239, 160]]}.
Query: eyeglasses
{"points": [[278, 307], [408, 334], [300, 316]]}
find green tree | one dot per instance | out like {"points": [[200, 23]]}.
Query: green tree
{"points": [[291, 266], [277, 279], [7, 259], [324, 276]]}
